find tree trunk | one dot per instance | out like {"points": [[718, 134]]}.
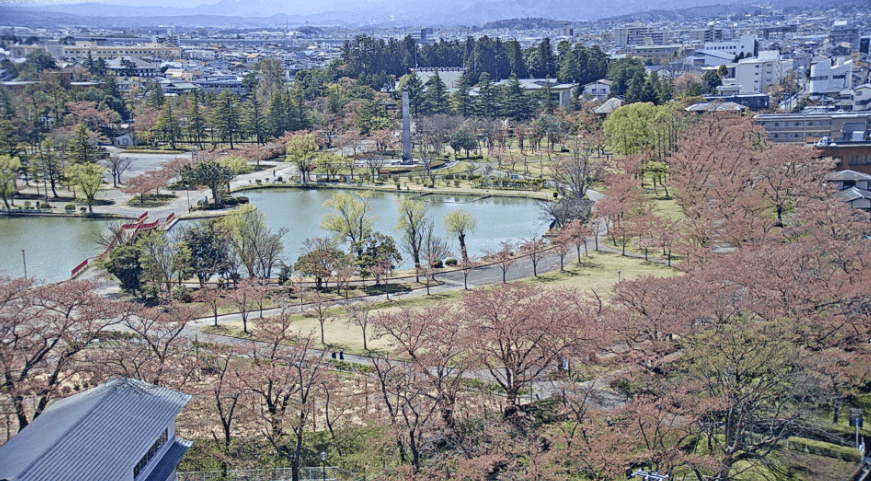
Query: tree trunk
{"points": [[463, 247]]}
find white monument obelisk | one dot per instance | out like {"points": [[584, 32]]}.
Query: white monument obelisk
{"points": [[406, 130]]}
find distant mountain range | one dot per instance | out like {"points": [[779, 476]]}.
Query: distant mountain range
{"points": [[386, 13]]}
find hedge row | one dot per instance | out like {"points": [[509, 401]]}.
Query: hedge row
{"points": [[821, 448]]}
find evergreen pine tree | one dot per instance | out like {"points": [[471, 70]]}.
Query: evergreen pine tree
{"points": [[463, 104], [155, 97], [225, 116], [255, 122], [569, 70], [436, 96], [196, 126], [167, 126], [486, 102], [635, 90], [515, 59], [650, 91], [414, 86], [515, 104]]}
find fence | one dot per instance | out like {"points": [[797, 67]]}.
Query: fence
{"points": [[331, 473], [79, 267]]}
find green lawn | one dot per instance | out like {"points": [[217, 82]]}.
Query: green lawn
{"points": [[598, 272]]}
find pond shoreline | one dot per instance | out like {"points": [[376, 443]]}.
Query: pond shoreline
{"points": [[79, 215]]}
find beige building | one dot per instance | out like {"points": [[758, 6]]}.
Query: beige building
{"points": [[156, 50], [638, 35]]}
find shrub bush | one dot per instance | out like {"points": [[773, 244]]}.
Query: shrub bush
{"points": [[182, 293], [242, 199], [438, 264], [70, 207], [258, 181], [83, 209], [451, 262]]}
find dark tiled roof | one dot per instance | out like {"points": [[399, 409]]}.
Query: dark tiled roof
{"points": [[99, 434], [851, 194]]}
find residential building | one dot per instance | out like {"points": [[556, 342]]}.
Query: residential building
{"points": [[638, 35], [830, 78], [599, 89], [123, 430], [855, 156], [845, 179], [844, 32], [756, 74], [156, 50], [778, 30], [827, 127], [709, 34], [857, 99]]}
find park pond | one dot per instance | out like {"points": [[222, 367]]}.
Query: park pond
{"points": [[55, 245], [499, 218], [52, 246]]}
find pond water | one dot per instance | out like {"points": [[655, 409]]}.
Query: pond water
{"points": [[499, 218], [53, 245]]}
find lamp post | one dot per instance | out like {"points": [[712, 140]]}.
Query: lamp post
{"points": [[618, 275], [323, 465]]}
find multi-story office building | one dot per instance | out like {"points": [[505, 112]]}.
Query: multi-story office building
{"points": [[747, 45]]}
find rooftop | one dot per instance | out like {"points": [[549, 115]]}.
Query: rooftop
{"points": [[97, 434]]}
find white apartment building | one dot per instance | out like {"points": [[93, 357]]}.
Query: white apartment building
{"points": [[830, 77], [755, 74]]}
